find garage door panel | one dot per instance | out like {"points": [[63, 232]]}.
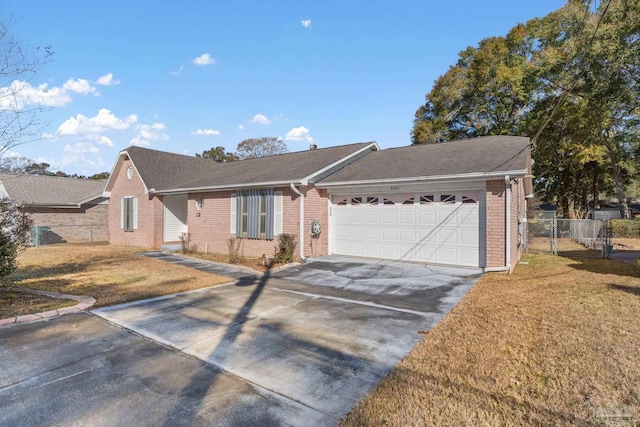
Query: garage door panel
{"points": [[372, 233], [388, 234], [469, 237], [407, 234], [373, 249], [372, 217], [356, 233], [439, 232], [357, 215], [427, 218], [407, 216], [389, 216]]}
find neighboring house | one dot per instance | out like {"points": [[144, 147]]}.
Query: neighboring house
{"points": [[73, 209], [456, 203]]}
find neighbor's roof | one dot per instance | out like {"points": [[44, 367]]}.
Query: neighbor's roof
{"points": [[38, 190], [163, 171], [484, 155]]}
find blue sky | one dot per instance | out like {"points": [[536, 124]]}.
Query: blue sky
{"points": [[186, 76]]}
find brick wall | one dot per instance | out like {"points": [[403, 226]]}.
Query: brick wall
{"points": [[149, 231], [85, 224], [496, 217], [316, 208], [210, 227]]}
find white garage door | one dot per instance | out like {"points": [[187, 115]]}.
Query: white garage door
{"points": [[428, 227]]}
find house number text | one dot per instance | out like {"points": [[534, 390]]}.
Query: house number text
{"points": [[395, 188]]}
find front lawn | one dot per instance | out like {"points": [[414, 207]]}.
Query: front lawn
{"points": [[556, 343], [110, 274]]}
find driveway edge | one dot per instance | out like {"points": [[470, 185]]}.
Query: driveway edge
{"points": [[84, 302]]}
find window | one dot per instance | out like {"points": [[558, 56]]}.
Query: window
{"points": [[386, 201], [257, 214], [356, 200], [129, 213], [447, 198], [199, 203], [130, 172], [372, 200], [467, 199], [407, 200], [342, 201], [426, 199]]}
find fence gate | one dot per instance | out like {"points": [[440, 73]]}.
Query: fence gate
{"points": [[567, 237]]}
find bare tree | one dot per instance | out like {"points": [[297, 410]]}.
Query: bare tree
{"points": [[260, 147], [20, 103]]}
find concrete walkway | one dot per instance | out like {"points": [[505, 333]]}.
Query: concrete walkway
{"points": [[227, 270], [84, 302]]}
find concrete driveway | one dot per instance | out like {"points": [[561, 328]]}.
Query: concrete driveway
{"points": [[298, 347]]}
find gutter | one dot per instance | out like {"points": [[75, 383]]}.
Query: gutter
{"points": [[186, 190], [299, 193], [507, 181], [410, 180]]}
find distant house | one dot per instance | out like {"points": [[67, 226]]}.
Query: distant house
{"points": [[455, 203], [74, 210]]}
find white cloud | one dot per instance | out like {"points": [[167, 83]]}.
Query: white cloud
{"points": [[81, 147], [204, 59], [260, 118], [206, 132], [20, 94], [80, 86], [306, 23], [105, 141], [107, 80], [176, 72], [148, 133], [240, 127], [300, 133], [104, 120]]}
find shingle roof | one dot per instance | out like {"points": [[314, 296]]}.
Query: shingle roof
{"points": [[50, 190], [166, 171], [162, 170], [479, 155]]}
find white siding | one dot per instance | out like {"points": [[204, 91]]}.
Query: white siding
{"points": [[175, 217]]}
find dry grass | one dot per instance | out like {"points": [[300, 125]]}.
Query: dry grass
{"points": [[111, 274], [626, 244], [252, 263], [16, 304], [556, 343]]}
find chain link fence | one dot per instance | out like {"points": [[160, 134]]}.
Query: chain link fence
{"points": [[84, 233], [568, 237]]}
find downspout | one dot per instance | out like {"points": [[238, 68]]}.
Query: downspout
{"points": [[299, 193], [507, 181]]}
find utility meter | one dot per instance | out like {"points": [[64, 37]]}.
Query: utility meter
{"points": [[315, 228]]}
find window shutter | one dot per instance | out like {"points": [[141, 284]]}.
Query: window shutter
{"points": [[234, 212], [277, 213], [123, 212], [240, 199], [268, 223], [135, 212]]}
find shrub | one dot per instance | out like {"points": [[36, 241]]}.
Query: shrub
{"points": [[15, 235], [625, 228], [187, 246], [234, 245], [285, 249]]}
